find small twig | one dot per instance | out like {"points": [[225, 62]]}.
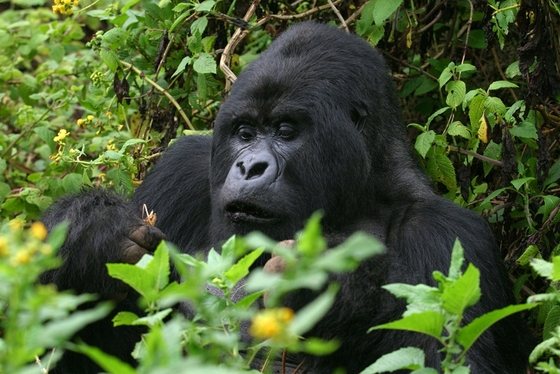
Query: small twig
{"points": [[160, 89], [355, 14], [475, 155], [432, 22], [469, 24], [304, 14], [409, 65], [335, 10]]}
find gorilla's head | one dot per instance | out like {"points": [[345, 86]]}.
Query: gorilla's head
{"points": [[312, 124]]}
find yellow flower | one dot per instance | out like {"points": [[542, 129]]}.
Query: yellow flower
{"points": [[271, 323], [67, 2], [21, 258], [81, 122], [4, 250], [108, 114], [56, 2], [76, 3], [62, 134], [38, 230], [90, 117], [46, 249]]}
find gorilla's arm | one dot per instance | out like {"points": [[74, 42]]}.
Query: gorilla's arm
{"points": [[178, 190]]}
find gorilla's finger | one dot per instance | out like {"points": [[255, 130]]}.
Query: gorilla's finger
{"points": [[147, 236], [275, 265], [132, 253]]}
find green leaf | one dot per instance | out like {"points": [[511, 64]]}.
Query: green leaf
{"points": [[382, 10], [348, 255], [205, 6], [524, 130], [182, 65], [310, 240], [240, 270], [410, 358], [468, 334], [513, 70], [72, 182], [158, 267], [501, 84], [552, 322], [199, 25], [476, 109], [428, 322], [309, 315], [441, 169], [456, 91], [445, 76], [107, 362], [465, 67], [456, 128], [4, 191], [424, 142], [110, 59], [518, 183], [553, 173], [542, 267], [463, 292], [457, 260], [124, 318], [140, 279], [205, 64], [495, 105]]}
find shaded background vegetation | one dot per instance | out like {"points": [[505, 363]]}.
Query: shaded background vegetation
{"points": [[91, 93]]}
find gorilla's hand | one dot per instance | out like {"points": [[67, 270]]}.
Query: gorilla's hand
{"points": [[143, 239], [103, 228]]}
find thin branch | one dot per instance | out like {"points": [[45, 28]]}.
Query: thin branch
{"points": [[335, 10], [409, 65], [475, 155], [160, 89]]}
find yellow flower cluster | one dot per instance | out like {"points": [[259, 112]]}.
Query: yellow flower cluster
{"points": [[20, 249], [111, 146], [64, 7], [62, 134], [271, 323], [83, 122]]}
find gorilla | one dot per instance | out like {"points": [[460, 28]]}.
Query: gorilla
{"points": [[313, 124]]}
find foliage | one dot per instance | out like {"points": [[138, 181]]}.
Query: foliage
{"points": [[91, 93], [439, 312]]}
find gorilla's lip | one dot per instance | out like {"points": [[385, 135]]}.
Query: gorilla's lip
{"points": [[241, 211]]}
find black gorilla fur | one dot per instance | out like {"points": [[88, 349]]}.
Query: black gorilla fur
{"points": [[312, 124]]}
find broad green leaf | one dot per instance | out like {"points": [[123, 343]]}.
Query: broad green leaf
{"points": [[309, 315], [110, 59], [492, 151], [108, 363], [248, 300], [240, 270], [124, 318], [205, 6], [429, 322], [457, 260], [501, 84], [513, 70], [524, 130], [465, 67], [553, 173], [182, 65], [159, 266], [310, 240], [4, 190], [410, 358], [462, 293], [468, 334], [199, 25], [348, 255], [552, 322], [476, 110], [205, 64], [456, 91], [531, 252], [419, 297], [383, 9], [495, 105], [72, 182], [319, 347], [441, 169], [556, 268], [154, 319], [518, 183], [435, 114], [456, 128], [444, 77], [424, 142], [140, 279]]}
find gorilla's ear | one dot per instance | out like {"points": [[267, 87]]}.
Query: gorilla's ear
{"points": [[358, 114]]}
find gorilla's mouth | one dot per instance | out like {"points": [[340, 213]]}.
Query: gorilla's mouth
{"points": [[239, 211]]}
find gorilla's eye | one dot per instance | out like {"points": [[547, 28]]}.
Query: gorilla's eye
{"points": [[286, 131], [246, 132]]}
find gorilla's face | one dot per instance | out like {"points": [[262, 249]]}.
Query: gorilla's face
{"points": [[281, 151]]}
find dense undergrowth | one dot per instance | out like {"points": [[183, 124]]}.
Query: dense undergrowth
{"points": [[91, 93]]}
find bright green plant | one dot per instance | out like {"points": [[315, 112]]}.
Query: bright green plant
{"points": [[438, 312]]}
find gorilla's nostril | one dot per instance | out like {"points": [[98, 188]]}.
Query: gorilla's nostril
{"points": [[257, 170], [241, 167]]}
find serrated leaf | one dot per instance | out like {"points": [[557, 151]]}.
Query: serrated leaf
{"points": [[182, 65], [456, 128], [158, 267], [72, 182], [456, 91], [205, 64], [441, 169], [476, 109], [501, 84], [492, 151], [205, 6], [465, 67], [199, 25], [240, 269], [524, 130], [110, 59], [382, 10], [444, 77], [462, 293], [551, 322], [468, 334], [495, 105], [542, 267], [424, 142], [513, 70], [429, 322], [410, 358]]}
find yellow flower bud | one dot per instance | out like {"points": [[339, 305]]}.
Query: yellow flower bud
{"points": [[21, 258], [67, 2], [76, 3], [38, 230], [90, 117], [4, 250], [81, 122]]}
